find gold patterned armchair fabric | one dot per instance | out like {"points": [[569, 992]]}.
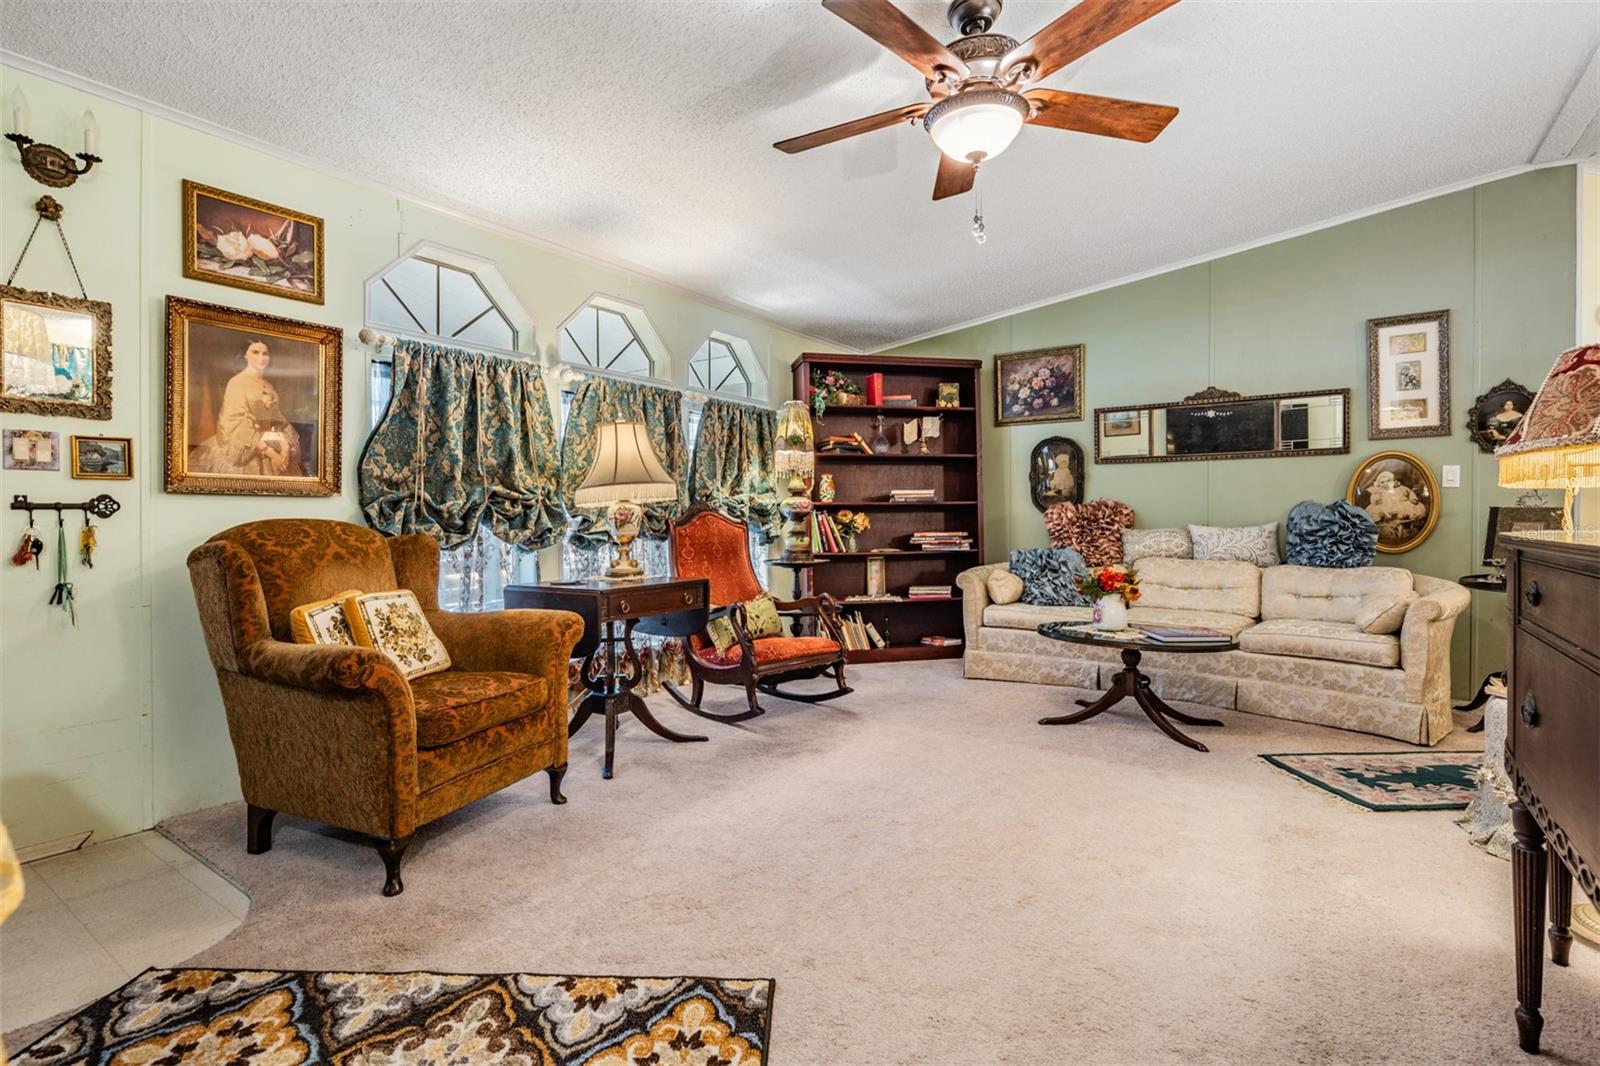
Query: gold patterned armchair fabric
{"points": [[334, 733]]}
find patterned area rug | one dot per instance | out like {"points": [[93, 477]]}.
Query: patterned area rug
{"points": [[1390, 780], [282, 1018]]}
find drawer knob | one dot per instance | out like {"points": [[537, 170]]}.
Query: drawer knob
{"points": [[688, 597], [622, 605], [1530, 711], [1532, 594]]}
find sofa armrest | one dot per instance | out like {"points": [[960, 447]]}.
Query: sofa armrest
{"points": [[323, 667], [1425, 638], [974, 586]]}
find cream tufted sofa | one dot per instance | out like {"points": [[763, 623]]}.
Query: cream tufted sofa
{"points": [[1301, 656]]}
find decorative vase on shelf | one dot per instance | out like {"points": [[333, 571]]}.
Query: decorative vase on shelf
{"points": [[1111, 613], [880, 439], [847, 541]]}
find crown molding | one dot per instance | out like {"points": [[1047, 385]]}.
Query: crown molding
{"points": [[487, 224]]}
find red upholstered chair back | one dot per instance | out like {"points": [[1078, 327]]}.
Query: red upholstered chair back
{"points": [[713, 546]]}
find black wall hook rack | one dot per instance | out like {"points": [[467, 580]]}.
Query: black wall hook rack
{"points": [[101, 506]]}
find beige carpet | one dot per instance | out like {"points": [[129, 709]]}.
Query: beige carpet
{"points": [[931, 877]]}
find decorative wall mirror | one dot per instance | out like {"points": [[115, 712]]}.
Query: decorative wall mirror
{"points": [[56, 354], [1218, 424]]}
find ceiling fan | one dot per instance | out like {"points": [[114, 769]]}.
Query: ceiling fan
{"points": [[980, 83]]}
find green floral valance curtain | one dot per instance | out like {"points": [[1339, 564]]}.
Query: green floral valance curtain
{"points": [[733, 459], [599, 400], [468, 439]]}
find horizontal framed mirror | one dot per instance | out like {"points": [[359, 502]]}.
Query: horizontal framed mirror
{"points": [[1218, 424]]}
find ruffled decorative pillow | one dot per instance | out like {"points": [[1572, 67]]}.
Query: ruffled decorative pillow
{"points": [[393, 623], [1093, 529], [1338, 535], [1245, 544], [1050, 576], [1004, 587], [1155, 544]]}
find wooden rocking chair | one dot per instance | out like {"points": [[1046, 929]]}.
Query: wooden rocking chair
{"points": [[708, 544]]}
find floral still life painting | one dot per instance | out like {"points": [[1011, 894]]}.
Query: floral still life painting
{"points": [[251, 244], [1044, 385]]}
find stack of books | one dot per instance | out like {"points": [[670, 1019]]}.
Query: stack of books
{"points": [[928, 592], [862, 597], [899, 399], [860, 634], [941, 540], [911, 496], [942, 642], [852, 442], [1175, 635]]}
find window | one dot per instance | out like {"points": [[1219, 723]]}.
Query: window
{"points": [[716, 367], [610, 335], [436, 299]]}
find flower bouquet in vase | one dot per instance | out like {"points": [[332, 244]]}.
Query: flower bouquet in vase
{"points": [[1111, 588], [851, 525]]}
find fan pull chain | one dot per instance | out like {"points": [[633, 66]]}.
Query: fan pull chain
{"points": [[978, 233]]}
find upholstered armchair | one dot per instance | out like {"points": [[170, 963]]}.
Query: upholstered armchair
{"points": [[710, 545], [335, 733]]}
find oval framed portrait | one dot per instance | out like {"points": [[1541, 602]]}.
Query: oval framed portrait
{"points": [[1398, 492], [1055, 472]]}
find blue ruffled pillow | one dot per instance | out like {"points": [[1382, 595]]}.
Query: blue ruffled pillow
{"points": [[1050, 575], [1339, 535]]}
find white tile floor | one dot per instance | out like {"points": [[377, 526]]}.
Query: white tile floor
{"points": [[95, 917]]}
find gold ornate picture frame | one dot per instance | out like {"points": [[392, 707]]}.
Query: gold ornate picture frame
{"points": [[1398, 492], [55, 355], [102, 458], [229, 239], [1408, 376], [253, 403], [1041, 385]]}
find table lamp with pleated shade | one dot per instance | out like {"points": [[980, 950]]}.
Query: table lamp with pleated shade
{"points": [[625, 474], [1556, 444]]}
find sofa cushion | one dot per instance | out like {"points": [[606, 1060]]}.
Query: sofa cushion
{"points": [[771, 649], [1050, 576], [1384, 612], [440, 766], [1325, 595], [1200, 585], [1218, 621], [1031, 616], [1249, 544], [1306, 638], [1158, 543], [1004, 586], [456, 703]]}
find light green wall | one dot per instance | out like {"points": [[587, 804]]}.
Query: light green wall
{"points": [[117, 723], [1292, 315]]}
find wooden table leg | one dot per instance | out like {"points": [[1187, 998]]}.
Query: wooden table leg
{"points": [[1113, 696], [1528, 873], [611, 735], [1156, 710], [1560, 910]]}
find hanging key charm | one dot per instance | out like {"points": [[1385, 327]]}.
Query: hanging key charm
{"points": [[30, 549], [86, 543]]}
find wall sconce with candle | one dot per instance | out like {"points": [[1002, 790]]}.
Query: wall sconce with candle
{"points": [[45, 163]]}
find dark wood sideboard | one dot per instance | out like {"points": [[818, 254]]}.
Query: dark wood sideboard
{"points": [[1552, 750]]}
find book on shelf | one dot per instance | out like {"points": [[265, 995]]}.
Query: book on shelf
{"points": [[941, 540], [885, 597], [899, 400], [935, 641], [848, 442], [928, 592], [859, 634], [875, 388], [909, 496]]}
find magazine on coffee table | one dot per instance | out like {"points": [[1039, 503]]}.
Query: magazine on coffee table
{"points": [[1180, 635]]}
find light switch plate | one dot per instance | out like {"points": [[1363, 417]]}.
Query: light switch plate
{"points": [[1452, 476]]}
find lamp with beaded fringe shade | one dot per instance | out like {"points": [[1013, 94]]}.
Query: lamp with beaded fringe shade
{"points": [[1556, 444]]}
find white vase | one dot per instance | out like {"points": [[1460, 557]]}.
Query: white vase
{"points": [[1111, 613]]}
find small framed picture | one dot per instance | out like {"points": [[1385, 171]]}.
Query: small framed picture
{"points": [[250, 244], [877, 579], [949, 394], [1043, 385], [1398, 492], [1512, 521], [56, 359], [32, 449], [1496, 413], [106, 458], [1408, 376]]}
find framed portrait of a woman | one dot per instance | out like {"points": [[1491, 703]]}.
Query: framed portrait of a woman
{"points": [[253, 402]]}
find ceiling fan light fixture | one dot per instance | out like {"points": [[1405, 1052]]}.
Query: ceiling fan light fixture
{"points": [[976, 125]]}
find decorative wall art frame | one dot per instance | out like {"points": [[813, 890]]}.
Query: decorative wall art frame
{"points": [[250, 244], [56, 355], [1408, 376], [1219, 424], [31, 449], [1055, 472], [102, 458], [1512, 521], [1042, 385], [1398, 492], [1496, 413], [253, 403]]}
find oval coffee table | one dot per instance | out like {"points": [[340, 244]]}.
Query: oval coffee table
{"points": [[1130, 683]]}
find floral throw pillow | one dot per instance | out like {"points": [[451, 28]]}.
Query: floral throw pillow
{"points": [[1050, 576], [322, 622], [393, 623], [761, 619], [1246, 544], [1155, 544]]}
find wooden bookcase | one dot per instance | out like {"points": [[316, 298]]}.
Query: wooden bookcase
{"points": [[954, 470]]}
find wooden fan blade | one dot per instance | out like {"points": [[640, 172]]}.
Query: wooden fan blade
{"points": [[1106, 116], [893, 29], [954, 178], [850, 129], [1077, 33]]}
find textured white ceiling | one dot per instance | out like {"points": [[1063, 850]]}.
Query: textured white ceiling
{"points": [[641, 132]]}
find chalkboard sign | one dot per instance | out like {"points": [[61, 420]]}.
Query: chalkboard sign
{"points": [[1222, 428]]}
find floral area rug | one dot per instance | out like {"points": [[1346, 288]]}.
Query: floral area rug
{"points": [[286, 1018], [1390, 780]]}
